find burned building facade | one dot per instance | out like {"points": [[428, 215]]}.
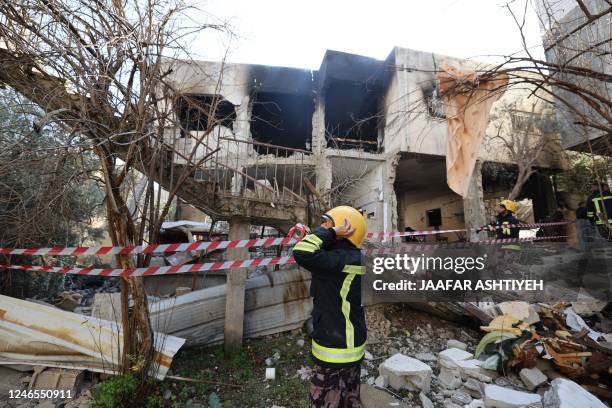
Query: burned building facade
{"points": [[370, 133]]}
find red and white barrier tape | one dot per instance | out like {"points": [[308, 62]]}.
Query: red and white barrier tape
{"points": [[212, 245], [245, 263]]}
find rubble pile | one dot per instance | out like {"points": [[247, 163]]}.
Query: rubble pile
{"points": [[532, 355]]}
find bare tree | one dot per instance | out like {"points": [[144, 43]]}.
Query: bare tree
{"points": [[523, 135], [99, 69]]}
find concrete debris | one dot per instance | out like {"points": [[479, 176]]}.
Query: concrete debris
{"points": [[425, 356], [45, 378], [382, 381], [532, 378], [370, 381], [456, 344], [500, 397], [450, 404], [368, 355], [453, 355], [300, 343], [565, 393], [364, 372], [425, 401], [461, 398], [473, 387], [477, 403], [372, 397], [406, 373]]}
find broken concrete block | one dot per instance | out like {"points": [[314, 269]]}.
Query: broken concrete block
{"points": [[382, 381], [477, 403], [470, 368], [461, 398], [473, 387], [452, 355], [449, 377], [406, 372], [500, 397], [564, 393], [425, 356], [181, 290], [532, 378], [56, 379], [425, 401], [450, 404], [456, 344]]}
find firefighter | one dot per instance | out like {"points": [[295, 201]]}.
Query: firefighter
{"points": [[599, 210], [506, 221], [332, 254]]}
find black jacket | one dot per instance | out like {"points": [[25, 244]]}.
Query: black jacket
{"points": [[338, 319], [506, 232]]}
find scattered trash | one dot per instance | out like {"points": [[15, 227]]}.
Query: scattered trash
{"points": [[270, 373]]}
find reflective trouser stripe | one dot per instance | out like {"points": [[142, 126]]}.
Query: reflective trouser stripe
{"points": [[505, 229], [334, 355], [356, 269], [305, 246], [346, 310]]}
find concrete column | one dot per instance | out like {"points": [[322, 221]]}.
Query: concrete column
{"points": [[239, 228], [473, 205]]}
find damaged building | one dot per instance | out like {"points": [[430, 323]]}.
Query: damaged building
{"points": [[359, 131]]}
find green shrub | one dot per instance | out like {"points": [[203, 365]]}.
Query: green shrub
{"points": [[115, 392]]}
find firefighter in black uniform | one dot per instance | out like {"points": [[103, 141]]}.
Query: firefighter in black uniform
{"points": [[332, 254], [506, 222], [599, 210]]}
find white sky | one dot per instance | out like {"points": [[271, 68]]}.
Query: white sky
{"points": [[297, 33]]}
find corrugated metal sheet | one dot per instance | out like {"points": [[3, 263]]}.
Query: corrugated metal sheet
{"points": [[35, 334]]}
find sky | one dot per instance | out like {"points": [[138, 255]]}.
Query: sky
{"points": [[297, 33]]}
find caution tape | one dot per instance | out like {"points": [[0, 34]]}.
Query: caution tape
{"points": [[381, 235], [214, 245], [245, 263], [153, 248]]}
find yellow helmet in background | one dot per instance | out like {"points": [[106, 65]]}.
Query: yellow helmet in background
{"points": [[510, 205], [354, 217]]}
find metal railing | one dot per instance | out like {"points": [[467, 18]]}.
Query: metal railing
{"points": [[248, 169]]}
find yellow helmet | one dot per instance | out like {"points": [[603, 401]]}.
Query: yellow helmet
{"points": [[510, 205], [354, 217]]}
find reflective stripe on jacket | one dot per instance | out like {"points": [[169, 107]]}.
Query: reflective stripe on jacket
{"points": [[599, 203], [338, 319]]}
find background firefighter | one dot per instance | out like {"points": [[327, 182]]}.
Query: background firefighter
{"points": [[332, 254]]}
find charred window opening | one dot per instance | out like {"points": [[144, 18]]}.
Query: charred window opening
{"points": [[282, 120], [352, 115], [198, 112], [433, 100]]}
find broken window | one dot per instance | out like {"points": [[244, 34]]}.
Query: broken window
{"points": [[352, 115], [433, 101], [282, 120], [198, 112]]}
